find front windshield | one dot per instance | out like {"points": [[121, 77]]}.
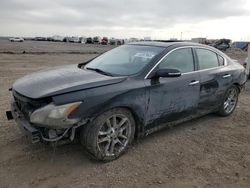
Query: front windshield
{"points": [[125, 60]]}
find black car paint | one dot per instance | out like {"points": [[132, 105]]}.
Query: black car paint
{"points": [[130, 94], [171, 98], [143, 97], [60, 80]]}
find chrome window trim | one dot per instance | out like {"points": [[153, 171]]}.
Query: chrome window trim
{"points": [[202, 70], [225, 60], [194, 47]]}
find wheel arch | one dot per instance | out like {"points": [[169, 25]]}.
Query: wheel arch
{"points": [[139, 126], [239, 87], [138, 121]]}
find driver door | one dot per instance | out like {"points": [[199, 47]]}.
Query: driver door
{"points": [[173, 98]]}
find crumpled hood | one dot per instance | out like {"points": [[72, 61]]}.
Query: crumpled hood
{"points": [[61, 80]]}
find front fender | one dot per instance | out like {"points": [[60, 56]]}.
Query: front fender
{"points": [[130, 94]]}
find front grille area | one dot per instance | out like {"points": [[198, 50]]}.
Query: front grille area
{"points": [[27, 105], [24, 107]]}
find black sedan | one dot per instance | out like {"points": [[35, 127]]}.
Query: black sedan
{"points": [[126, 93]]}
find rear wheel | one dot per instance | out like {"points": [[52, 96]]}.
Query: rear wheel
{"points": [[110, 134], [230, 101]]}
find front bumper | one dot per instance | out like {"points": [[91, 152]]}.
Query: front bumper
{"points": [[23, 124], [37, 134]]}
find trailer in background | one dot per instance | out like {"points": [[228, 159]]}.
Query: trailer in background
{"points": [[241, 44]]}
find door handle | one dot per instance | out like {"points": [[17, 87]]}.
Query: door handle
{"points": [[226, 76], [194, 82]]}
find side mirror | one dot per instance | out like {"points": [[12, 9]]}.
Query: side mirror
{"points": [[166, 72]]}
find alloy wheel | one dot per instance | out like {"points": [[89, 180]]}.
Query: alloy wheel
{"points": [[231, 100], [113, 135]]}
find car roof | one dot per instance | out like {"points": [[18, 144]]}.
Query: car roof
{"points": [[166, 44]]}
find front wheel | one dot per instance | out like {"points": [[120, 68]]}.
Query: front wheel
{"points": [[229, 102], [109, 135]]}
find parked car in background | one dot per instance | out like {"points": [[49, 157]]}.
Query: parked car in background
{"points": [[40, 39], [119, 42], [104, 41], [66, 39], [50, 39], [222, 44], [16, 39], [57, 38], [89, 40], [114, 41], [82, 40], [97, 40], [74, 39], [132, 90]]}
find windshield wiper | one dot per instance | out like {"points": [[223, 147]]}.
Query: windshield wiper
{"points": [[100, 71]]}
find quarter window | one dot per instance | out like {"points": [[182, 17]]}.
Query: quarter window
{"points": [[181, 59], [221, 60], [207, 59]]}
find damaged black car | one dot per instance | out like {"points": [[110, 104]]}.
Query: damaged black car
{"points": [[126, 93]]}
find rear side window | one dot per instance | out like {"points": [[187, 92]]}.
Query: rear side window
{"points": [[207, 59], [181, 59]]}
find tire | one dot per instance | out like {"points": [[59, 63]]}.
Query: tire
{"points": [[109, 135], [229, 101]]}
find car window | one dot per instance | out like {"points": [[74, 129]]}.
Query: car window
{"points": [[181, 59], [125, 60], [206, 58], [221, 60]]}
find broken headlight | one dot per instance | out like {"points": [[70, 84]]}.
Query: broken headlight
{"points": [[54, 116]]}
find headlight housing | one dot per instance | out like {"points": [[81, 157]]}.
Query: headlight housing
{"points": [[53, 116]]}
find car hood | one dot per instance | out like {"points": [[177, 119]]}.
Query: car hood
{"points": [[61, 80]]}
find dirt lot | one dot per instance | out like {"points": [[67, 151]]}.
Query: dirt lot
{"points": [[208, 152]]}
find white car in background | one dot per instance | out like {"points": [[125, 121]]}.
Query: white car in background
{"points": [[57, 38], [74, 39], [16, 39]]}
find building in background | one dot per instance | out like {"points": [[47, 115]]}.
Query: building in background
{"points": [[199, 40]]}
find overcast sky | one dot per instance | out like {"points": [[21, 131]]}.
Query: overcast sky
{"points": [[159, 19]]}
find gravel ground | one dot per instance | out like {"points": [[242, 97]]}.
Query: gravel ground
{"points": [[207, 152]]}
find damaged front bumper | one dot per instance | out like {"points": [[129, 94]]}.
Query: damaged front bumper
{"points": [[38, 134], [23, 124]]}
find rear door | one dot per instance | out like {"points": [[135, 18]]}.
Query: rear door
{"points": [[215, 78], [173, 98]]}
